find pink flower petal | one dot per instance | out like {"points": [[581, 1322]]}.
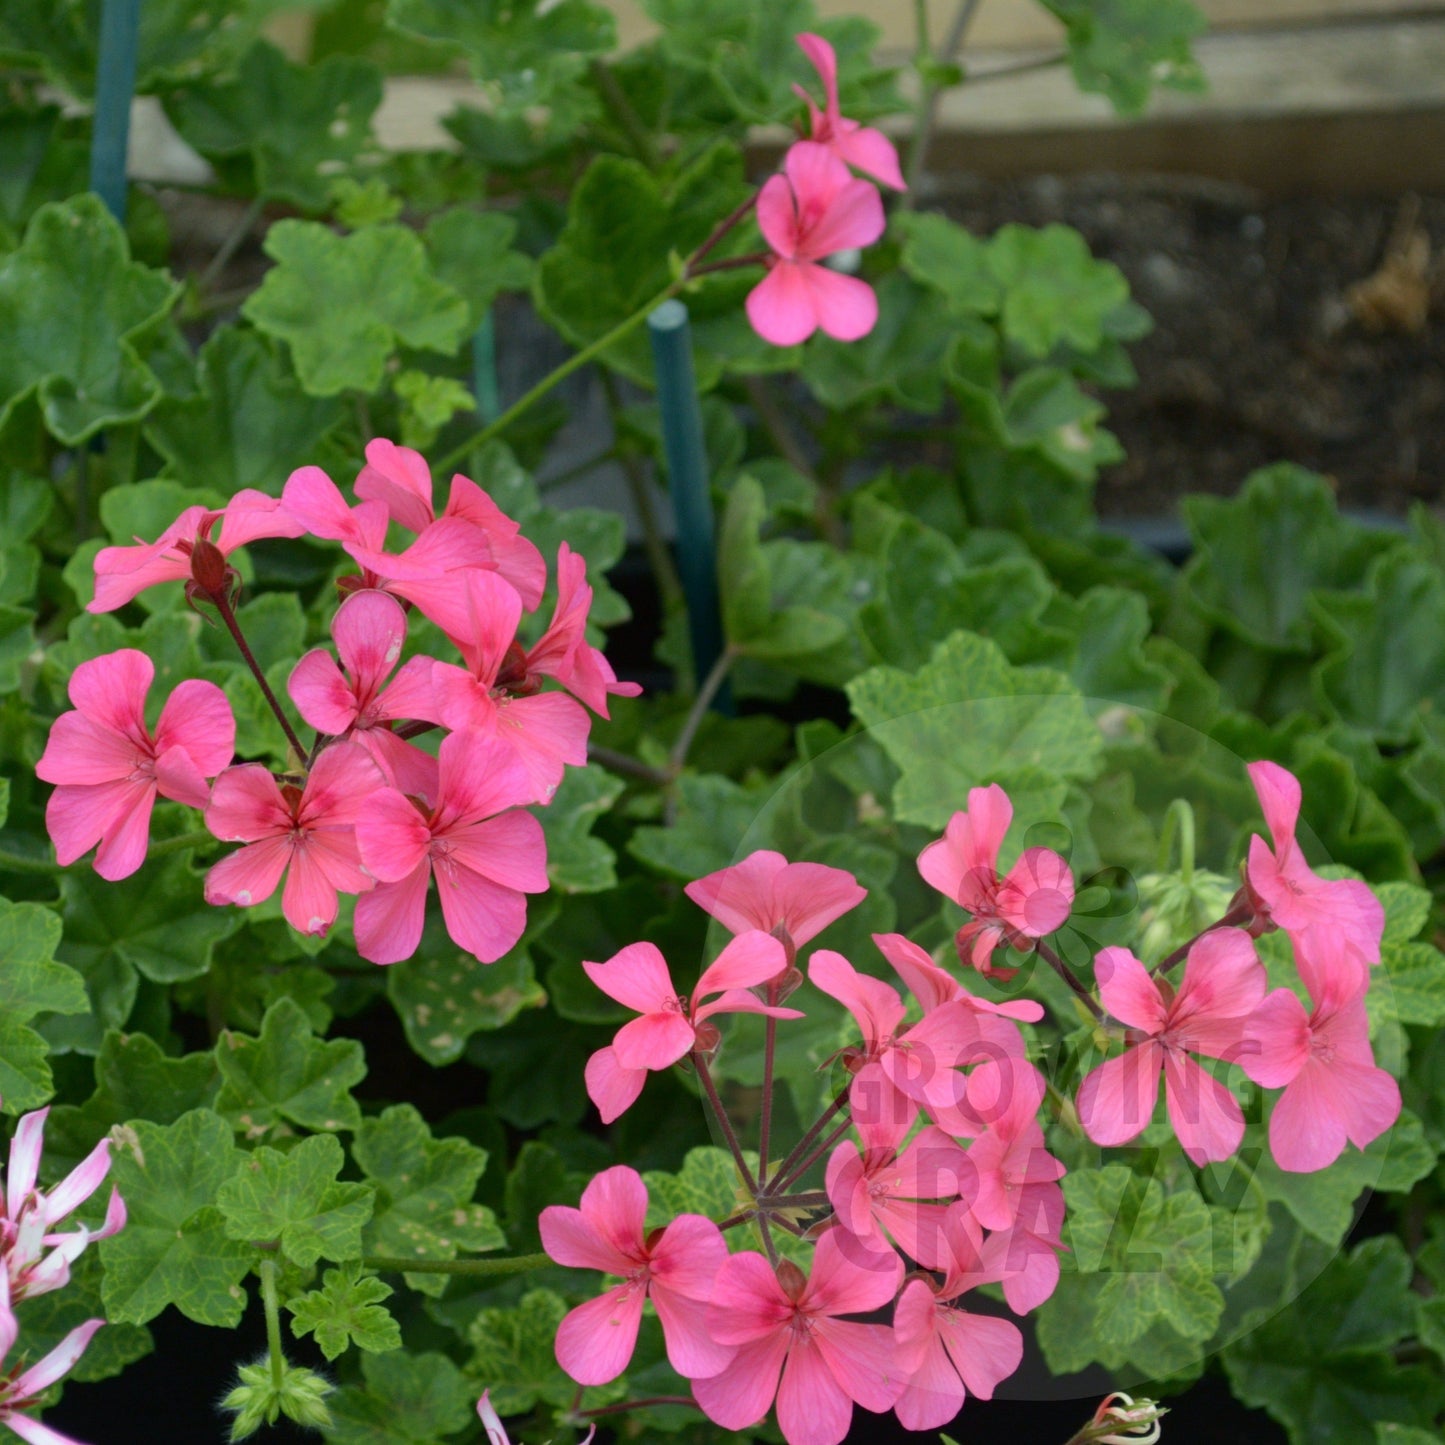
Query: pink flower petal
{"points": [[54, 1366], [1116, 1101], [813, 1407], [871, 152], [25, 1150], [321, 693], [1276, 1040], [251, 515], [390, 918], [749, 959], [509, 849], [612, 1089], [985, 1351], [246, 804], [596, 1340], [1128, 990], [741, 1395], [1205, 1116], [691, 1349], [83, 752], [875, 1006], [637, 977], [123, 848], [654, 1041], [483, 917], [1307, 1128], [249, 875], [111, 690], [309, 901], [399, 477], [780, 306], [392, 837]]}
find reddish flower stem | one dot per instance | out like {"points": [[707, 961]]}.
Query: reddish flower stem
{"points": [[787, 1169], [736, 1149], [805, 1164], [770, 1042], [718, 232], [731, 263], [1241, 911], [223, 606], [638, 1405], [1069, 977]]}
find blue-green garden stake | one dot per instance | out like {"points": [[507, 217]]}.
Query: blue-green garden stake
{"points": [[114, 87], [484, 370], [687, 475]]}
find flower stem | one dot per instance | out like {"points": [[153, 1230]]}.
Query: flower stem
{"points": [[1178, 821], [578, 359], [700, 704], [619, 762], [812, 1157], [267, 1270], [1069, 977], [196, 838], [1241, 911], [789, 1165], [638, 1405], [476, 1268], [813, 1199], [229, 246], [223, 606], [770, 1044], [736, 1149], [929, 91]]}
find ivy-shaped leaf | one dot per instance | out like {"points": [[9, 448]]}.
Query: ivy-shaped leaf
{"points": [[345, 303], [1123, 48], [74, 311], [174, 1248], [707, 1184], [714, 816], [347, 1310], [513, 1347], [526, 49], [967, 718], [576, 861], [300, 125], [424, 1190], [295, 1200], [472, 252], [249, 425], [31, 982], [408, 1399], [288, 1074]]}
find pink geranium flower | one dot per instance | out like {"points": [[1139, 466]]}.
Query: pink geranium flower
{"points": [[563, 652], [933, 986], [1033, 900], [34, 1258], [814, 209], [123, 572], [898, 1070], [21, 1390], [1289, 894], [861, 147], [946, 1352], [670, 1025], [547, 731], [793, 901], [673, 1267], [1223, 982], [1025, 1258], [1333, 1090], [780, 1321], [307, 833], [1010, 1153], [486, 853], [881, 1193], [369, 629], [400, 478], [110, 767]]}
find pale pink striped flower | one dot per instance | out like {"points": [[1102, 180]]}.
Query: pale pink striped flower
{"points": [[19, 1391], [110, 767]]}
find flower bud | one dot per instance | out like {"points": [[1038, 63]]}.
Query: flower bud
{"points": [[208, 568]]}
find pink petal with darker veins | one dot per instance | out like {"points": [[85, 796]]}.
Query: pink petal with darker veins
{"points": [[653, 1041], [389, 919], [251, 515], [400, 478], [637, 977], [483, 917], [813, 1408], [596, 1340], [750, 959], [1116, 1101], [84, 752], [613, 1089], [1205, 1116], [111, 690], [322, 695], [250, 874], [510, 849], [877, 1008], [123, 849]]}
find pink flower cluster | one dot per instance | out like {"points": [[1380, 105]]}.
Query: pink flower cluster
{"points": [[365, 810], [948, 1172], [35, 1258], [1320, 1056], [815, 209]]}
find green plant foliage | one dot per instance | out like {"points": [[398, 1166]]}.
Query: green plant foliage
{"points": [[412, 1398], [298, 127], [247, 425], [295, 1201], [343, 304], [347, 1310], [1123, 48], [31, 983], [514, 1348], [77, 312], [424, 1189], [175, 1248]]}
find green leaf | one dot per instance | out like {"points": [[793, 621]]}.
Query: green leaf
{"points": [[1259, 555], [300, 125], [345, 303], [287, 1074], [443, 995], [576, 861], [525, 49], [708, 1184], [714, 817], [1386, 656], [294, 1200], [1152, 1254], [967, 718], [409, 1399], [346, 1311], [471, 252], [174, 1248], [623, 224], [46, 1319], [1407, 909], [424, 1190], [1123, 48], [513, 1351], [250, 425], [428, 403], [1054, 291], [1321, 1367], [17, 642], [943, 255], [74, 311]]}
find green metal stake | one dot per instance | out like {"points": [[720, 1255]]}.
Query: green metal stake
{"points": [[484, 370], [687, 475], [114, 88]]}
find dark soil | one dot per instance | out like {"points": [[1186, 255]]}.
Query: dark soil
{"points": [[1258, 354]]}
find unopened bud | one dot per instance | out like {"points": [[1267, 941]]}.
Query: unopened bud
{"points": [[258, 1400], [208, 568], [1123, 1420], [793, 1281]]}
